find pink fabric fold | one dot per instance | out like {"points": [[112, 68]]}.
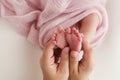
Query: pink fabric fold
{"points": [[38, 19]]}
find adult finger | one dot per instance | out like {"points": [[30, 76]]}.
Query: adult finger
{"points": [[74, 60], [87, 49], [48, 51], [88, 56], [64, 62]]}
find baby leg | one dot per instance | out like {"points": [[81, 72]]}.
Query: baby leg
{"points": [[89, 25]]}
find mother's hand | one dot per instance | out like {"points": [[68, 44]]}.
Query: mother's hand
{"points": [[81, 70], [52, 70]]}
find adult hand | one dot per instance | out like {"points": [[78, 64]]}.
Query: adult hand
{"points": [[52, 70], [80, 70]]}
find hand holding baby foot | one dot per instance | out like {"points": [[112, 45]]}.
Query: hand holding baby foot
{"points": [[80, 70], [52, 70], [69, 68]]}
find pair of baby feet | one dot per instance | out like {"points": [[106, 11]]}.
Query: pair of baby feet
{"points": [[68, 37]]}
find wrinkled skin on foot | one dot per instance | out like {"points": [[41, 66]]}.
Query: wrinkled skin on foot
{"points": [[59, 36], [74, 39]]}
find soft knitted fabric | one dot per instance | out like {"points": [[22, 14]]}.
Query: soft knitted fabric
{"points": [[38, 19]]}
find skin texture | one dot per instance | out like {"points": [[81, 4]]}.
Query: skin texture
{"points": [[69, 67], [52, 70], [59, 36], [70, 41], [87, 27], [74, 39], [81, 70]]}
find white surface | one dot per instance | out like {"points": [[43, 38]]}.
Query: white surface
{"points": [[19, 60]]}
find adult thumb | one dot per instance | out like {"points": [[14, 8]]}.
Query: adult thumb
{"points": [[64, 62]]}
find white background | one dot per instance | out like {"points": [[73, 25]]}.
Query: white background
{"points": [[19, 60]]}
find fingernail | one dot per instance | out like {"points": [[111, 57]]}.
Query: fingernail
{"points": [[74, 53]]}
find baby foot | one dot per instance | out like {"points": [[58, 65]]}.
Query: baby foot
{"points": [[74, 39], [60, 38]]}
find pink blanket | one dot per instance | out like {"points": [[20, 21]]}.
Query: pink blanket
{"points": [[37, 19]]}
